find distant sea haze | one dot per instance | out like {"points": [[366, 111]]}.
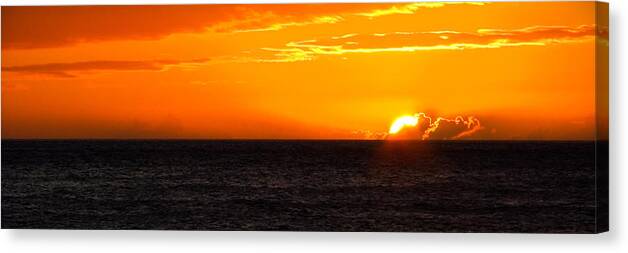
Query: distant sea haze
{"points": [[300, 185]]}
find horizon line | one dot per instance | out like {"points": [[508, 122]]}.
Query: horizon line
{"points": [[290, 139]]}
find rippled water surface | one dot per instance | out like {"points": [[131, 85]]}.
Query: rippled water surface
{"points": [[300, 185]]}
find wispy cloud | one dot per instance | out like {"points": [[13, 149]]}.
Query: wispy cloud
{"points": [[307, 50], [280, 26], [432, 40], [410, 8], [30, 27], [265, 22], [72, 69]]}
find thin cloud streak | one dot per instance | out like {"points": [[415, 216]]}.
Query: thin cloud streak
{"points": [[73, 69], [280, 26], [351, 43], [33, 27], [411, 8], [407, 8], [434, 40]]}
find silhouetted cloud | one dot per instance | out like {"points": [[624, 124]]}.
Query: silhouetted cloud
{"points": [[421, 126]]}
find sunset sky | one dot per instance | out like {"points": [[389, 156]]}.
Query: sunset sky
{"points": [[317, 71]]}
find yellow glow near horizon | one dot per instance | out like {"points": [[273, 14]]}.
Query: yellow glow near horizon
{"points": [[402, 122], [304, 71]]}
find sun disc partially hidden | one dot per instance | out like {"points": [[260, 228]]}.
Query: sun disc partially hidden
{"points": [[402, 122]]}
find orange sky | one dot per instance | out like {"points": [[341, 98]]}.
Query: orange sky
{"points": [[522, 70]]}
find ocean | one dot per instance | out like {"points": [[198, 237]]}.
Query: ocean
{"points": [[400, 186]]}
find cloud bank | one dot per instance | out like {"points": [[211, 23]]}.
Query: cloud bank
{"points": [[421, 126], [31, 27]]}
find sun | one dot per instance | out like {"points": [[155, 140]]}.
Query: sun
{"points": [[402, 122]]}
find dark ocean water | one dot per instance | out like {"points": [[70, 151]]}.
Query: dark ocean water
{"points": [[300, 185]]}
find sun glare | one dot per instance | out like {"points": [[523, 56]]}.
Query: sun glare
{"points": [[402, 122]]}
